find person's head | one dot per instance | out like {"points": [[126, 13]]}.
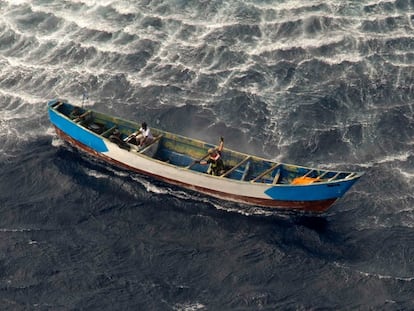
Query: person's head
{"points": [[144, 125], [212, 151]]}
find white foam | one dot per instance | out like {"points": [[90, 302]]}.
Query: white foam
{"points": [[18, 229], [83, 18], [96, 174], [56, 142], [374, 274], [152, 188], [189, 306], [389, 158], [246, 211]]}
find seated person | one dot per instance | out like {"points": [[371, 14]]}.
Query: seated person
{"points": [[75, 113], [115, 137], [142, 137]]}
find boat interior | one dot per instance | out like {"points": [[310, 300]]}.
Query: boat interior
{"points": [[186, 152]]}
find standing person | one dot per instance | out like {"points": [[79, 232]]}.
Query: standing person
{"points": [[215, 160], [142, 137]]}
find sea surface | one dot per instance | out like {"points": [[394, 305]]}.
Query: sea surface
{"points": [[317, 83]]}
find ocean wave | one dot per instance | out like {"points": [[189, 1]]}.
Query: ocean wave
{"points": [[304, 79], [319, 83]]}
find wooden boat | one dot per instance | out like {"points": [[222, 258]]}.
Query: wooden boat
{"points": [[173, 159]]}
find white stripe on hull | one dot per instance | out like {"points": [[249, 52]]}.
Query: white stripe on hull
{"points": [[184, 175]]}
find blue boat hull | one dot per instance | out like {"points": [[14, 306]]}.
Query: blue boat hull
{"points": [[313, 197]]}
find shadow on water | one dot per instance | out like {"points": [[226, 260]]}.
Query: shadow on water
{"points": [[316, 223]]}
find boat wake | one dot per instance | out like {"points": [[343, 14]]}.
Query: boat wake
{"points": [[100, 170]]}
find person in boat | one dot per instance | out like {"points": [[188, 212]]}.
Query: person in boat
{"points": [[215, 160], [75, 114], [115, 137], [142, 137]]}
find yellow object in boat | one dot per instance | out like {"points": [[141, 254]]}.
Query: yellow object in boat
{"points": [[304, 180]]}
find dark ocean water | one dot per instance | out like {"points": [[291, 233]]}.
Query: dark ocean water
{"points": [[318, 83]]}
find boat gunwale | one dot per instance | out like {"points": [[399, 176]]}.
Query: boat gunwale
{"points": [[116, 120]]}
